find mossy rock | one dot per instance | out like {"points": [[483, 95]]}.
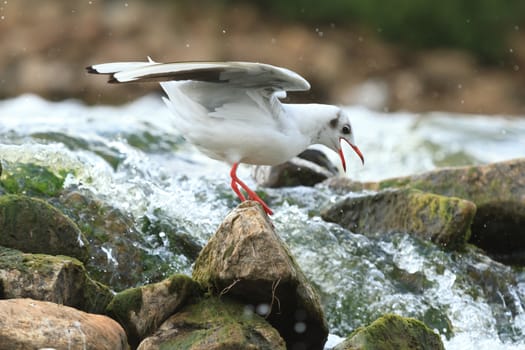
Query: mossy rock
{"points": [[392, 332], [31, 179], [141, 310], [497, 190], [33, 226], [59, 279], [247, 260], [218, 324], [442, 220]]}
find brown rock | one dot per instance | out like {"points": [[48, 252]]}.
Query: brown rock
{"points": [[59, 279], [247, 260], [31, 324], [141, 310]]}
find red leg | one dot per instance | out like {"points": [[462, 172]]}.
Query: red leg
{"points": [[233, 174], [252, 195]]}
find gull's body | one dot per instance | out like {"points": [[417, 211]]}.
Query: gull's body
{"points": [[231, 111]]}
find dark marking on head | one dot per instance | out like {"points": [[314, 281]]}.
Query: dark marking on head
{"points": [[333, 123]]}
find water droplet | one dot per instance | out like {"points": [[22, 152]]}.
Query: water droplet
{"points": [[460, 86], [263, 309], [187, 44], [320, 34], [467, 21], [360, 39], [126, 4], [462, 102], [273, 40], [516, 27], [2, 17], [299, 327], [516, 68], [224, 31], [511, 50]]}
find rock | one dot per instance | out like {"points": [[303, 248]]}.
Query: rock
{"points": [[59, 279], [497, 189], [33, 226], [307, 169], [31, 324], [141, 310], [31, 179], [392, 332], [116, 248], [442, 220], [215, 324], [247, 260]]}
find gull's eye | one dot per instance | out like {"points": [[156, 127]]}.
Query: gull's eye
{"points": [[346, 129]]}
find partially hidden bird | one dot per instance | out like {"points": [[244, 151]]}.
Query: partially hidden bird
{"points": [[232, 111]]}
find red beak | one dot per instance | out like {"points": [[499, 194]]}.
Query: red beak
{"points": [[356, 150]]}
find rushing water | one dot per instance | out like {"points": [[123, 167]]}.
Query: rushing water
{"points": [[132, 158]]}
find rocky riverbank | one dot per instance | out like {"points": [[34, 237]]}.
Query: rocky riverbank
{"points": [[246, 290]]}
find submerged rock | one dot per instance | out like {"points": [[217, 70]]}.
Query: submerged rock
{"points": [[247, 260], [33, 226], [497, 189], [141, 310], [59, 279], [307, 169], [215, 324], [392, 332], [32, 324], [118, 256], [442, 220], [31, 179]]}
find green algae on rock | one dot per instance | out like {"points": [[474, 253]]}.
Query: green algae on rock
{"points": [[141, 310], [31, 179], [34, 226], [497, 190], [392, 332], [217, 324], [59, 279], [443, 220]]}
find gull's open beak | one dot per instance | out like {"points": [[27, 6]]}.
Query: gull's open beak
{"points": [[356, 150]]}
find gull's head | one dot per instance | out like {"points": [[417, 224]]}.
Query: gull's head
{"points": [[338, 130]]}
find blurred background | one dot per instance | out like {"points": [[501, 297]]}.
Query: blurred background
{"points": [[452, 55]]}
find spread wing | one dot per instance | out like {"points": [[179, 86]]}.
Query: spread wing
{"points": [[225, 90], [240, 74]]}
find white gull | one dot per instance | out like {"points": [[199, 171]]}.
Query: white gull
{"points": [[231, 111]]}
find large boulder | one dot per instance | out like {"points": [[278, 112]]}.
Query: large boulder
{"points": [[31, 324], [442, 220], [497, 189], [141, 310], [215, 324], [247, 260], [392, 332], [59, 279], [33, 226]]}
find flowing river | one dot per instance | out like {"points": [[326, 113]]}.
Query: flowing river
{"points": [[132, 158]]}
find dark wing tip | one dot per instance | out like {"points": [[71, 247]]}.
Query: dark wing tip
{"points": [[91, 70]]}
